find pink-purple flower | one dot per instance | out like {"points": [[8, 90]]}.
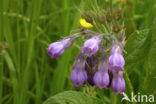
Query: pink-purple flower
{"points": [[56, 49], [118, 83], [101, 79], [91, 46], [116, 60], [78, 75]]}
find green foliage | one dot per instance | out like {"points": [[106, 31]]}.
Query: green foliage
{"points": [[141, 56], [72, 97], [137, 47]]}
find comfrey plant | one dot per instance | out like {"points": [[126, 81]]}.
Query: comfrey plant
{"points": [[100, 62]]}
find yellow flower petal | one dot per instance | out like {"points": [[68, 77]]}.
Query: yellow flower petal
{"points": [[107, 0], [85, 24], [121, 0]]}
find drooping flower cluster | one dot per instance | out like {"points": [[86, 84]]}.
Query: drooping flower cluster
{"points": [[98, 76], [100, 63]]}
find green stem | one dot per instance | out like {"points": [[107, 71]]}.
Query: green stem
{"points": [[111, 3], [129, 84], [113, 98]]}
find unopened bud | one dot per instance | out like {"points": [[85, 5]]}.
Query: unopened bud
{"points": [[88, 17], [109, 16], [117, 28], [101, 17], [117, 14]]}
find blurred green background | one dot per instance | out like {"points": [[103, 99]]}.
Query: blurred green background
{"points": [[29, 76]]}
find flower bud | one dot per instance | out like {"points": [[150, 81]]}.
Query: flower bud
{"points": [[117, 28], [101, 77], [88, 17], [109, 16], [117, 13], [118, 83], [91, 46], [56, 49], [101, 18]]}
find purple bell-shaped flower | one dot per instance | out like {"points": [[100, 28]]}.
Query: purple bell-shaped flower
{"points": [[78, 75], [101, 77], [116, 60], [56, 49], [91, 46], [118, 83]]}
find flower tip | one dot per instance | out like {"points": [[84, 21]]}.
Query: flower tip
{"points": [[55, 49]]}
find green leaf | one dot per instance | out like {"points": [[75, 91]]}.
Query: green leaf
{"points": [[137, 47], [140, 60], [72, 97]]}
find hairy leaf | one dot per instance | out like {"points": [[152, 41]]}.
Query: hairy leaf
{"points": [[137, 47], [72, 97]]}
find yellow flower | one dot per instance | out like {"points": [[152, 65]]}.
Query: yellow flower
{"points": [[107, 0], [121, 0], [85, 24]]}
